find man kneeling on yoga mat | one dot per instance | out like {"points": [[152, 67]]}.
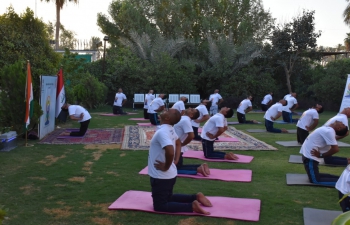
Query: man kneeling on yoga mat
{"points": [[162, 170], [79, 113], [321, 144]]}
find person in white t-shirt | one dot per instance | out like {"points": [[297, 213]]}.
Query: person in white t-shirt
{"points": [[266, 102], [157, 105], [307, 122], [287, 112], [319, 144], [180, 105], [148, 99], [119, 101], [215, 100], [165, 144], [212, 129], [185, 133], [272, 114], [203, 116], [244, 107], [80, 114], [342, 117], [343, 187]]}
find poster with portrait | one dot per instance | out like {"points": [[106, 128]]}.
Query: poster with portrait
{"points": [[48, 87]]}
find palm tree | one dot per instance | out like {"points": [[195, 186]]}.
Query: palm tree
{"points": [[346, 14], [59, 6]]}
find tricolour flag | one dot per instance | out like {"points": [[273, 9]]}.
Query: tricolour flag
{"points": [[60, 94], [29, 96]]}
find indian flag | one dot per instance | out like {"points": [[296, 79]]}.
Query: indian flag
{"points": [[29, 96], [60, 94]]}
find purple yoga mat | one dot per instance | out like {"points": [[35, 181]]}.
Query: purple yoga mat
{"points": [[237, 175], [138, 119], [72, 129], [223, 207], [200, 155]]}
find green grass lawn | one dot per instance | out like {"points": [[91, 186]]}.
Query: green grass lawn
{"points": [[74, 184]]}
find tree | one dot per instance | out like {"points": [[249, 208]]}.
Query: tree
{"points": [[294, 41], [347, 42], [346, 14], [67, 38], [59, 6]]}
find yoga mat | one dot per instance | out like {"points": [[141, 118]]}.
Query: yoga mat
{"points": [[72, 129], [236, 175], [223, 207], [279, 121], [298, 159], [227, 139], [145, 124], [68, 136], [301, 179], [236, 123], [200, 155], [319, 216], [296, 144], [138, 119], [263, 131]]}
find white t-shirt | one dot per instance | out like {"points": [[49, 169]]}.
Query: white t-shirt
{"points": [[343, 183], [246, 103], [214, 98], [155, 104], [120, 97], [266, 99], [212, 125], [182, 128], [287, 96], [179, 106], [340, 117], [320, 139], [291, 101], [148, 99], [273, 111], [307, 119], [202, 109], [77, 110], [164, 136]]}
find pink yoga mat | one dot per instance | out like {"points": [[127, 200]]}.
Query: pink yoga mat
{"points": [[138, 119], [145, 124], [217, 174], [223, 207], [200, 155], [109, 114], [227, 139]]}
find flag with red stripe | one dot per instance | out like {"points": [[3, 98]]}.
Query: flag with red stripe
{"points": [[29, 96], [60, 94]]}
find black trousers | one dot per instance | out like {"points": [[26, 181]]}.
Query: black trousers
{"points": [[118, 110], [83, 128], [325, 179], [145, 114], [345, 204], [264, 107], [302, 135], [241, 118]]}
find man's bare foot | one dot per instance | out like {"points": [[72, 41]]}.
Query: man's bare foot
{"points": [[203, 200], [229, 156], [201, 170], [255, 121], [233, 155], [284, 130], [65, 134], [196, 207], [206, 168]]}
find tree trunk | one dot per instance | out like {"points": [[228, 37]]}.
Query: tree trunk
{"points": [[288, 81], [58, 23]]}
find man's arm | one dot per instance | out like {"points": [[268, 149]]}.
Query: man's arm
{"points": [[248, 109], [169, 158], [177, 151], [220, 131], [161, 108], [189, 138], [279, 114], [334, 149], [315, 123], [204, 118], [220, 100], [270, 102], [125, 100], [294, 107]]}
